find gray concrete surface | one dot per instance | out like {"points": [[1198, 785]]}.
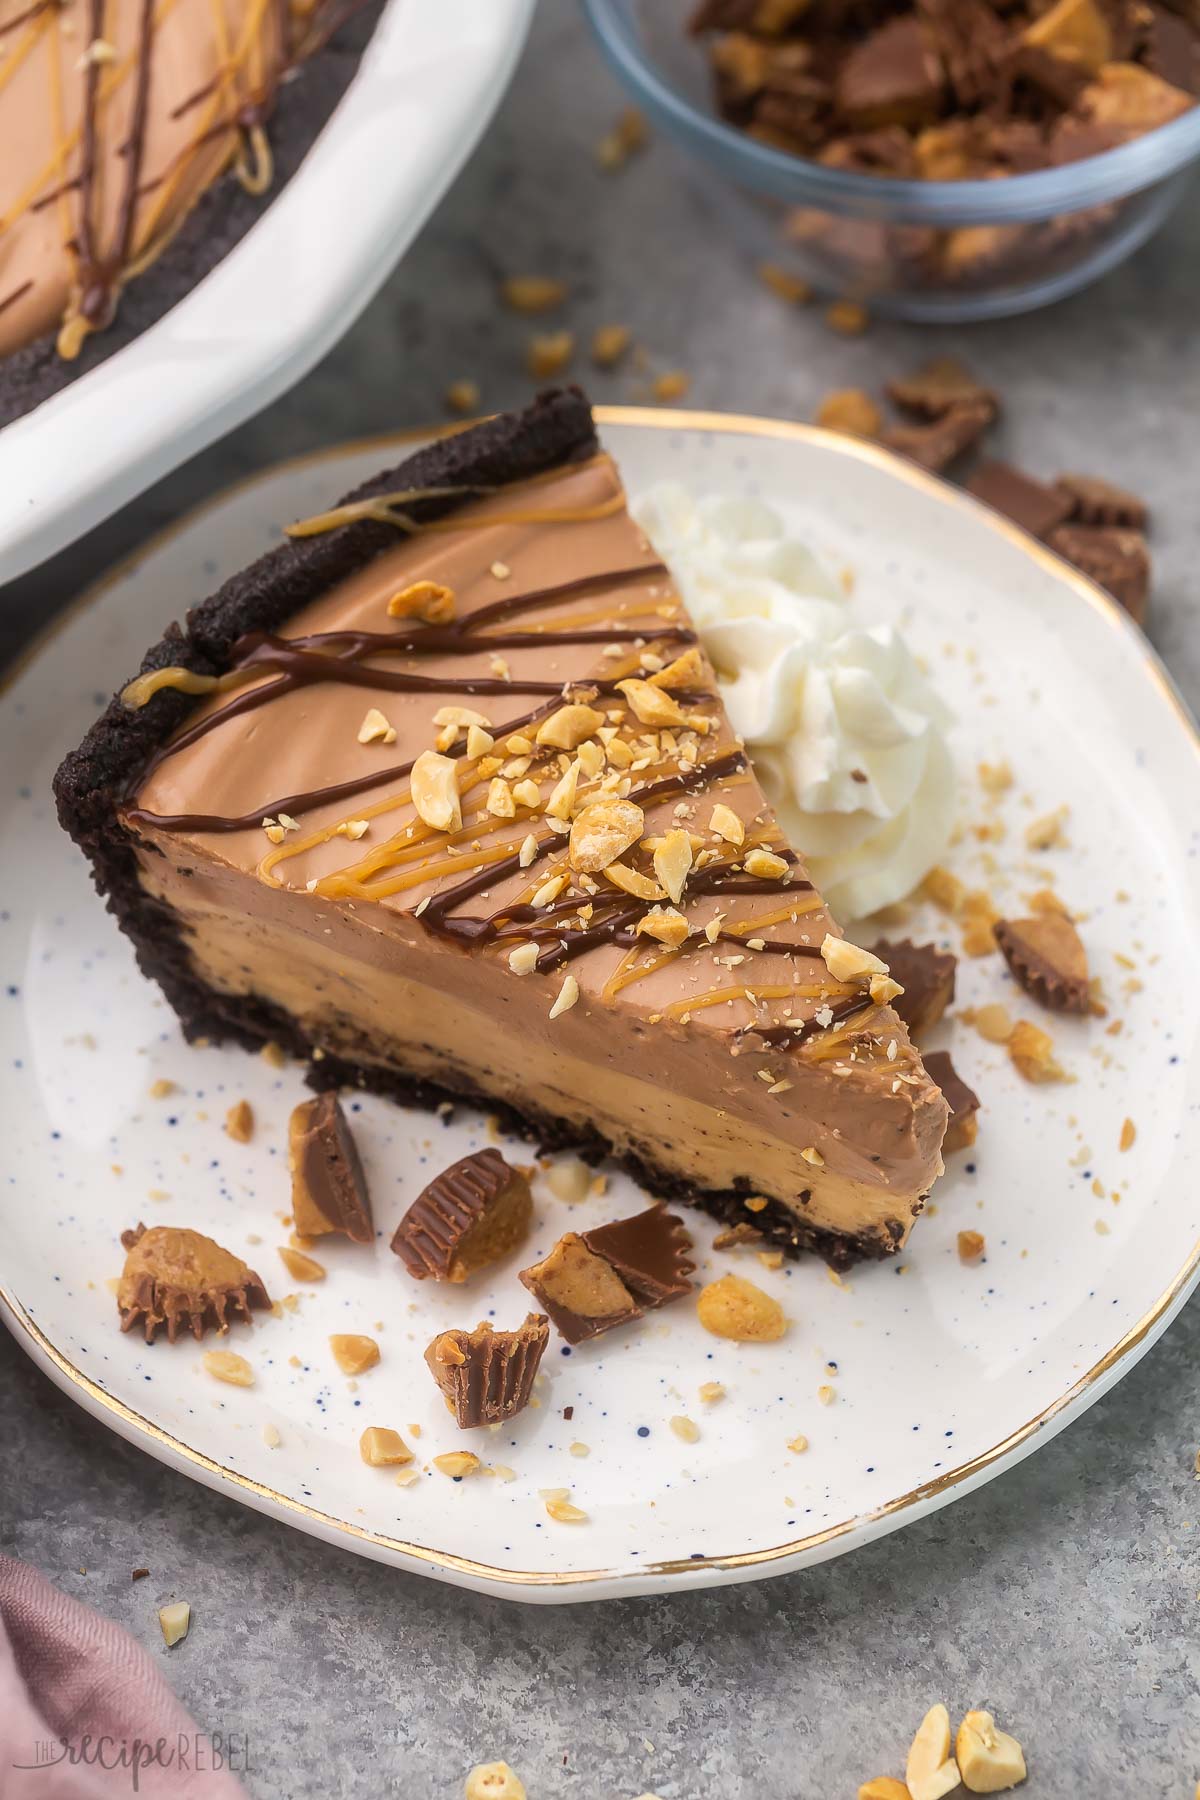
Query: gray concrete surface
{"points": [[1064, 1595]]}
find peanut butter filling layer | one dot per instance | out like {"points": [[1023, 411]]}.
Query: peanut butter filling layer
{"points": [[587, 910]]}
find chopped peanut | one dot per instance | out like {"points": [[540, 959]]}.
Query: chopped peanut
{"points": [[383, 1448], [239, 1122], [299, 1266], [353, 1354], [735, 1308], [228, 1366]]}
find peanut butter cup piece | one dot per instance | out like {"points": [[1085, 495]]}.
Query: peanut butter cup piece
{"points": [[1115, 558], [938, 387], [939, 442], [894, 77], [1098, 502], [175, 1277], [1037, 508], [650, 1252], [1172, 49], [925, 973], [329, 1191], [1047, 957], [962, 1101], [470, 1215], [580, 1290], [487, 1375]]}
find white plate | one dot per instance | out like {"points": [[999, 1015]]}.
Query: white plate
{"points": [[432, 75], [945, 1374]]}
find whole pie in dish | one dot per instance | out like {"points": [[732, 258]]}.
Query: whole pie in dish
{"points": [[440, 796], [139, 139]]}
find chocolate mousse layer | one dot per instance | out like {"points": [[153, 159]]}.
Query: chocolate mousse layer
{"points": [[461, 814]]}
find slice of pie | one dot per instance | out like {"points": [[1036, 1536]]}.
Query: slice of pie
{"points": [[440, 796]]}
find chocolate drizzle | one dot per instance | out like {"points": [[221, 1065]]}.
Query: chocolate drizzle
{"points": [[619, 911], [778, 1037], [300, 661], [99, 276]]}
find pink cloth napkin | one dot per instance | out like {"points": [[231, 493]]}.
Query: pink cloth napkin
{"points": [[68, 1674]]}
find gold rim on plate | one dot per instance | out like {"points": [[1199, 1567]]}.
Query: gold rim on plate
{"points": [[214, 1473]]}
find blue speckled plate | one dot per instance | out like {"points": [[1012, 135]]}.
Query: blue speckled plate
{"points": [[941, 1374]]}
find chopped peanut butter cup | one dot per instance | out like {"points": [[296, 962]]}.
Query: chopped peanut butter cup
{"points": [[939, 387], [926, 976], [610, 1276], [962, 1101], [1047, 957], [176, 1277], [1037, 508], [1114, 556], [649, 1252], [1098, 502], [486, 1375], [329, 1191], [582, 1293], [937, 442], [470, 1215]]}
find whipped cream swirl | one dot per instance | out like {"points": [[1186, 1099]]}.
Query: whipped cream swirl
{"points": [[847, 735]]}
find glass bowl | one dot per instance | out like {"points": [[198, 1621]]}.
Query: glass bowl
{"points": [[925, 250]]}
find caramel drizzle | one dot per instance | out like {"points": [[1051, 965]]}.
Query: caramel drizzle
{"points": [[620, 910], [780, 1036], [299, 661], [383, 509]]}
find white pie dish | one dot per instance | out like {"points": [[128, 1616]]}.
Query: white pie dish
{"points": [[945, 1374], [430, 79]]}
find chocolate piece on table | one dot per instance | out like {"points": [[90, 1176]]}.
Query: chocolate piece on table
{"points": [[649, 1252], [939, 442], [580, 1290], [487, 1375], [938, 387], [894, 77], [173, 1276], [1047, 957], [329, 1190], [962, 1101], [1116, 559], [1031, 504], [927, 976], [1098, 502], [470, 1215]]}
